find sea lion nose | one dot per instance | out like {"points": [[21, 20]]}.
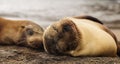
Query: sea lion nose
{"points": [[51, 46]]}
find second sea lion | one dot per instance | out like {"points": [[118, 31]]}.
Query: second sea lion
{"points": [[21, 32]]}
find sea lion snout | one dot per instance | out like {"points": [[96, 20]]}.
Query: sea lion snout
{"points": [[34, 38], [50, 42], [36, 44], [52, 47]]}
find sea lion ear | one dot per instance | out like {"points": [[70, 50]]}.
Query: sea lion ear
{"points": [[22, 26]]}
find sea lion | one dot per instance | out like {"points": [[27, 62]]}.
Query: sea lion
{"points": [[20, 32], [79, 36]]}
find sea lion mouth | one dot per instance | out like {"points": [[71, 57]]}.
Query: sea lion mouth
{"points": [[37, 44]]}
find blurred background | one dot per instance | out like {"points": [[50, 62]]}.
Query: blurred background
{"points": [[45, 12]]}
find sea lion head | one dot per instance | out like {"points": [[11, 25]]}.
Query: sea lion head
{"points": [[31, 36], [21, 32], [61, 37]]}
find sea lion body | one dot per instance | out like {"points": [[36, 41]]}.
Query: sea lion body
{"points": [[20, 32], [79, 37], [95, 41]]}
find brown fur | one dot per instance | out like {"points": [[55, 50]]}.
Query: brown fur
{"points": [[20, 32]]}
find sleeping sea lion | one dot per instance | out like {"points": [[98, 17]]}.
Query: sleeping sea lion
{"points": [[20, 32], [80, 36]]}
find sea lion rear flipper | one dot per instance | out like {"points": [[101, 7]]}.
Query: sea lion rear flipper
{"points": [[90, 18]]}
